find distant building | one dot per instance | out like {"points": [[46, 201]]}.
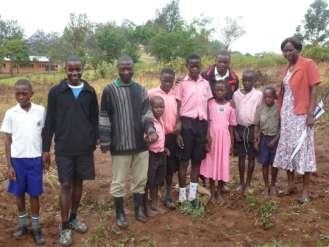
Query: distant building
{"points": [[35, 64]]}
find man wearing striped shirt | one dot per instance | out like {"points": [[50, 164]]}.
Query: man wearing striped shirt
{"points": [[125, 122]]}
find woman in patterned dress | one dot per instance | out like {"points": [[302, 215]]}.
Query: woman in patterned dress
{"points": [[297, 100]]}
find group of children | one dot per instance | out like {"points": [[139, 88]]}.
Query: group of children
{"points": [[194, 122], [197, 123]]}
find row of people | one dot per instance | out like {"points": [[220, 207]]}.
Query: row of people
{"points": [[191, 124]]}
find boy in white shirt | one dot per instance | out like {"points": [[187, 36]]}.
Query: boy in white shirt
{"points": [[22, 126]]}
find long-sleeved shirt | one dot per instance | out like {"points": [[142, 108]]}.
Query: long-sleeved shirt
{"points": [[73, 121], [125, 116]]}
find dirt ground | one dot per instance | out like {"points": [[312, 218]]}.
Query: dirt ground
{"points": [[250, 220]]}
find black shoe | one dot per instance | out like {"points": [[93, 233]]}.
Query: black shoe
{"points": [[120, 213], [20, 232], [139, 207], [38, 236], [194, 203]]}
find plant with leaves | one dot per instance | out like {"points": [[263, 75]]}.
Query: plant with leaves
{"points": [[315, 24]]}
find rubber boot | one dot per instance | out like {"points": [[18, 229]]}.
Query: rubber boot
{"points": [[139, 207], [120, 213]]}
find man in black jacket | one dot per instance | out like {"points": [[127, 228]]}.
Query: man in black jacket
{"points": [[72, 116], [125, 122]]}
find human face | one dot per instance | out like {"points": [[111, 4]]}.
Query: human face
{"points": [[248, 81], [74, 72], [158, 107], [222, 64], [126, 71], [269, 97], [219, 91], [290, 53], [23, 94], [194, 68], [167, 82]]}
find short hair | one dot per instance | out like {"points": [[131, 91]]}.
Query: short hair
{"points": [[167, 71], [250, 71], [155, 98], [273, 91], [125, 59], [294, 41], [73, 58], [224, 53], [191, 57], [23, 82], [220, 82]]}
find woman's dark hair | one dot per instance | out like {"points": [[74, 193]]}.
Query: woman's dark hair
{"points": [[294, 41]]}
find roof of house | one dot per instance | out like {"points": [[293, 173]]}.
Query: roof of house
{"points": [[32, 58]]}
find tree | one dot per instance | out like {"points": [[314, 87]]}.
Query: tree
{"points": [[76, 34], [231, 31], [169, 18], [315, 24], [17, 51], [41, 43]]}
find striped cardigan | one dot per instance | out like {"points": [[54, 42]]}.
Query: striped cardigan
{"points": [[125, 116]]}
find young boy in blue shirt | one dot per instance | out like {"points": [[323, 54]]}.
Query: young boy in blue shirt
{"points": [[22, 126]]}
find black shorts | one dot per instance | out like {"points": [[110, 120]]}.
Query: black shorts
{"points": [[172, 160], [194, 133], [245, 146], [80, 167], [157, 169]]}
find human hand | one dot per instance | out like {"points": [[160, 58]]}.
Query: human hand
{"points": [[180, 141], [310, 120], [209, 142], [11, 174], [152, 137], [167, 152], [46, 161], [104, 149], [271, 144]]}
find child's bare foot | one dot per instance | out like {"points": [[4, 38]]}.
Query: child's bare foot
{"points": [[273, 191], [305, 198], [169, 204], [291, 190], [266, 192]]}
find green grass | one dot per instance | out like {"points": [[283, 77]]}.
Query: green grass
{"points": [[187, 209]]}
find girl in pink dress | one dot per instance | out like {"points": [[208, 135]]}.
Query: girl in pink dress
{"points": [[222, 118]]}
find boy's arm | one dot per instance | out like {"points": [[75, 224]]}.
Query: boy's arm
{"points": [[11, 171], [104, 122], [178, 127], [50, 122], [231, 130], [147, 118], [95, 116]]}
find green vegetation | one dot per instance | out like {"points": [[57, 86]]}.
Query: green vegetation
{"points": [[187, 209]]}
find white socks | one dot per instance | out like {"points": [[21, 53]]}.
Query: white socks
{"points": [[192, 191], [182, 195]]}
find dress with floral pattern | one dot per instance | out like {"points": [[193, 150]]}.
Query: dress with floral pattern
{"points": [[292, 126]]}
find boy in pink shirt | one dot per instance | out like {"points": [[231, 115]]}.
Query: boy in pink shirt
{"points": [[169, 117], [246, 101], [157, 158], [192, 95]]}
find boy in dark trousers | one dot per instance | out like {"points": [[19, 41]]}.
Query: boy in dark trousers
{"points": [[22, 127], [125, 116], [72, 116], [192, 95]]}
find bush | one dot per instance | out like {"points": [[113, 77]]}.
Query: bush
{"points": [[317, 53]]}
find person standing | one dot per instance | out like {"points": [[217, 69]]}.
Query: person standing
{"points": [[125, 117], [72, 117], [297, 100]]}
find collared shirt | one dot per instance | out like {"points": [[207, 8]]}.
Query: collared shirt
{"points": [[159, 145], [246, 106], [169, 116], [73, 121], [268, 119], [25, 128], [304, 75], [194, 96]]}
